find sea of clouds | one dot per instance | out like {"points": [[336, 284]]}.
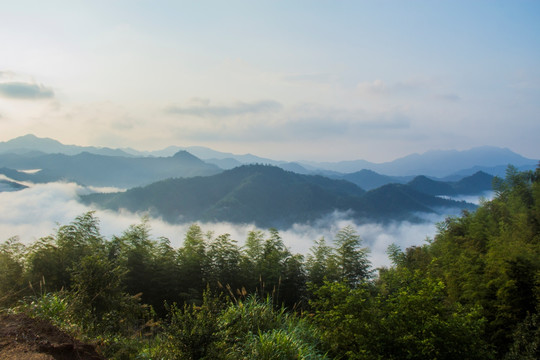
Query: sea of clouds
{"points": [[40, 209]]}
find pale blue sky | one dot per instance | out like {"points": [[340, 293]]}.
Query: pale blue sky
{"points": [[317, 80]]}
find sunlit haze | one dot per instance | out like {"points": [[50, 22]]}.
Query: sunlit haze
{"points": [[288, 80]]}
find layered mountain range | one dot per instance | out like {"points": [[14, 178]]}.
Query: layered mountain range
{"points": [[445, 164], [201, 184]]}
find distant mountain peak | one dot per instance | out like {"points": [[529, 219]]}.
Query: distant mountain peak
{"points": [[30, 139], [185, 155], [182, 153], [479, 174], [30, 142], [27, 136]]}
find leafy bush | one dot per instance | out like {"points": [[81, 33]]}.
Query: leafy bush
{"points": [[253, 329]]}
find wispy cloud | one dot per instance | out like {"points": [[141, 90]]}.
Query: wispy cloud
{"points": [[239, 108], [352, 125], [328, 121], [425, 89], [294, 126], [306, 122], [381, 87], [25, 91]]}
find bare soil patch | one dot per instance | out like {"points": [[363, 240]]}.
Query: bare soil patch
{"points": [[23, 337]]}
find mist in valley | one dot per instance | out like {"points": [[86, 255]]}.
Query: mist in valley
{"points": [[40, 209]]}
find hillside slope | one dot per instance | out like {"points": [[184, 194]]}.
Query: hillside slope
{"points": [[470, 185], [269, 197]]}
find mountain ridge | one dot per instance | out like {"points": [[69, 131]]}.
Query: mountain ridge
{"points": [[438, 163], [101, 170], [27, 143], [435, 163], [269, 196]]}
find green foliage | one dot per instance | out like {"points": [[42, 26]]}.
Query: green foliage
{"points": [[351, 259], [192, 331], [224, 262], [12, 254], [250, 329], [406, 318], [55, 256], [491, 257], [193, 263], [254, 329], [526, 344], [54, 307], [344, 317], [419, 324], [321, 264], [270, 269], [280, 345], [347, 261], [250, 317], [98, 298]]}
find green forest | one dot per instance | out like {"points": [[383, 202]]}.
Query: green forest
{"points": [[471, 292]]}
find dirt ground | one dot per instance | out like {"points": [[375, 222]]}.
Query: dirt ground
{"points": [[22, 337]]}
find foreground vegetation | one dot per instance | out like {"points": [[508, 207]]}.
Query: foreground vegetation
{"points": [[472, 292]]}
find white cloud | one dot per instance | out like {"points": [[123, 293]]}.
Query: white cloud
{"points": [[377, 237], [408, 87], [473, 199], [239, 108]]}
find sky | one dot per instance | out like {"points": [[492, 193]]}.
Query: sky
{"points": [[287, 80]]}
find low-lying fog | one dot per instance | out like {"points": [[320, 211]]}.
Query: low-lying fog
{"points": [[473, 199], [39, 210]]}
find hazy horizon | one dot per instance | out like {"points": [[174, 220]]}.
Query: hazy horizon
{"points": [[298, 80], [344, 159]]}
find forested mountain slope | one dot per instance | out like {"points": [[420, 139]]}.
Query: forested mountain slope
{"points": [[491, 258], [369, 180], [270, 197], [470, 185]]}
